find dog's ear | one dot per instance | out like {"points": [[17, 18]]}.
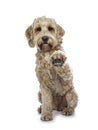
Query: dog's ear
{"points": [[60, 30], [29, 35]]}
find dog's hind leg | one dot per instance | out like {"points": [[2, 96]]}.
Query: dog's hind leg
{"points": [[71, 99]]}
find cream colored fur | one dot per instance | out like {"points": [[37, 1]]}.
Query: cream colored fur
{"points": [[53, 72]]}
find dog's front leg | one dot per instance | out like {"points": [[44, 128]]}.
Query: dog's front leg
{"points": [[58, 60], [46, 114]]}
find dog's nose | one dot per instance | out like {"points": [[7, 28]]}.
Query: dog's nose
{"points": [[45, 38]]}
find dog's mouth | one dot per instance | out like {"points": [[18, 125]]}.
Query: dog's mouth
{"points": [[45, 45]]}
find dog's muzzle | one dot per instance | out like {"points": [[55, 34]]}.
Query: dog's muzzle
{"points": [[45, 43]]}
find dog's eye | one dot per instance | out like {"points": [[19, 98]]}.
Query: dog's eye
{"points": [[50, 28], [38, 29]]}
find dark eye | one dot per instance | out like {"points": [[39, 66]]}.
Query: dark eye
{"points": [[38, 29], [50, 28]]}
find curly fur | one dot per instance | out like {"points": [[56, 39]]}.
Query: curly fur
{"points": [[53, 72]]}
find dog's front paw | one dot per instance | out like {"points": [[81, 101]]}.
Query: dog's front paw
{"points": [[58, 58], [46, 117], [68, 111]]}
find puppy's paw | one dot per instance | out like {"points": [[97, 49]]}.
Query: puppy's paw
{"points": [[58, 58], [68, 111], [46, 117]]}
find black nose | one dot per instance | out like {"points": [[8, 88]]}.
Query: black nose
{"points": [[45, 38]]}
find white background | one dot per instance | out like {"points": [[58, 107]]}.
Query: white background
{"points": [[18, 82]]}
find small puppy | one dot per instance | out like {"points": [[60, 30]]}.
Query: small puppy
{"points": [[53, 72]]}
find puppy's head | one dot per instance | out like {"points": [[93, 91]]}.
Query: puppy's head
{"points": [[44, 33]]}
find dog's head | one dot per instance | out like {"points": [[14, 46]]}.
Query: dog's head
{"points": [[45, 33]]}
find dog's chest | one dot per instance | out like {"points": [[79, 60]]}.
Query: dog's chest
{"points": [[47, 76], [56, 83]]}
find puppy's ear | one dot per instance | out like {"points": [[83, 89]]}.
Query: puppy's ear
{"points": [[29, 35], [60, 30]]}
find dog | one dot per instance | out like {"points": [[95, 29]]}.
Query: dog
{"points": [[52, 70]]}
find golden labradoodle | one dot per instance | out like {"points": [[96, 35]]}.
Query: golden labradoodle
{"points": [[54, 74]]}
